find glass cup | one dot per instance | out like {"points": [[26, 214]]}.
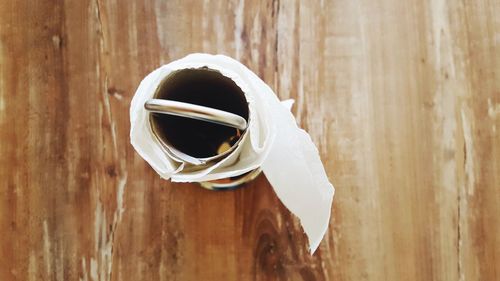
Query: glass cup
{"points": [[200, 116]]}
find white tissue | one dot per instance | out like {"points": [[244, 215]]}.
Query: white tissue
{"points": [[273, 141]]}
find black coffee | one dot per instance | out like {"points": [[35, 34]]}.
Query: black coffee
{"points": [[204, 87]]}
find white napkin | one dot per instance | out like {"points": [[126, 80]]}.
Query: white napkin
{"points": [[285, 152]]}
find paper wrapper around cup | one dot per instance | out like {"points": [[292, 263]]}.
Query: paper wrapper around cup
{"points": [[273, 142]]}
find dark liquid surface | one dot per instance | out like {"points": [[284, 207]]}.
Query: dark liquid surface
{"points": [[201, 87]]}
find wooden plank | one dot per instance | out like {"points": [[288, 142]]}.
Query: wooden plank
{"points": [[401, 97]]}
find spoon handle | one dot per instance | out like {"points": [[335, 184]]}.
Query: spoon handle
{"points": [[194, 111]]}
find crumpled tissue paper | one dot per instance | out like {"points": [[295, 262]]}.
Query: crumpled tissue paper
{"points": [[274, 142]]}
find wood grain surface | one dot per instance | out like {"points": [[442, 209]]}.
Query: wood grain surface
{"points": [[402, 99]]}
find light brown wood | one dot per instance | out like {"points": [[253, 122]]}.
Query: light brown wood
{"points": [[402, 99]]}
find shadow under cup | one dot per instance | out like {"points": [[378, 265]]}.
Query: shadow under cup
{"points": [[199, 139]]}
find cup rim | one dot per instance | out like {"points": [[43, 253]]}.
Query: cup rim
{"points": [[180, 156]]}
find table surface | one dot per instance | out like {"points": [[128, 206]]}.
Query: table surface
{"points": [[402, 99]]}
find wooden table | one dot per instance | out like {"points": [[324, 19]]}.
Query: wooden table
{"points": [[402, 99]]}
